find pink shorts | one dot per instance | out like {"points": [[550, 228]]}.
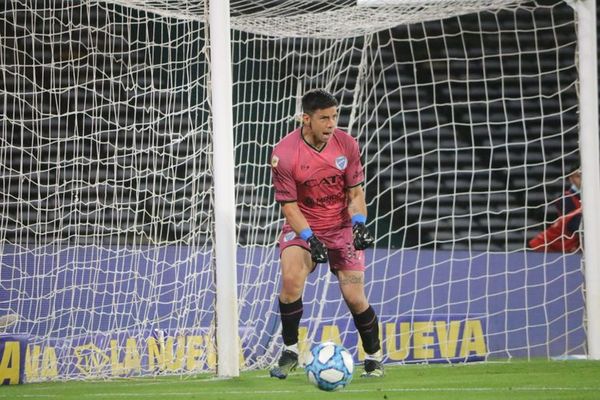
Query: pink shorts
{"points": [[342, 254]]}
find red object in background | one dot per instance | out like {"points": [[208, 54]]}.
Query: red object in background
{"points": [[557, 237]]}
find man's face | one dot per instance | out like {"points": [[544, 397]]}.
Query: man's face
{"points": [[321, 123]]}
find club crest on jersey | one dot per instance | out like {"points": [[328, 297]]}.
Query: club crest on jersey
{"points": [[274, 161], [341, 162]]}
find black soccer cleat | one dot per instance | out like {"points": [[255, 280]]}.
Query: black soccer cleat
{"points": [[373, 369], [287, 362]]}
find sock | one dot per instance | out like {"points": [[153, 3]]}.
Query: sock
{"points": [[367, 325], [293, 348], [291, 314], [377, 356]]}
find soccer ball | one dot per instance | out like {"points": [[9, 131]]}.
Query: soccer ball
{"points": [[329, 366]]}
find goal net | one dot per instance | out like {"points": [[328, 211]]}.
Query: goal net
{"points": [[466, 113]]}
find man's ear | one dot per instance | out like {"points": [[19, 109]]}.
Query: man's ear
{"points": [[305, 119]]}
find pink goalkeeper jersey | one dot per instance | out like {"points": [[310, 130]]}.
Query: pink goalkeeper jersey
{"points": [[317, 180]]}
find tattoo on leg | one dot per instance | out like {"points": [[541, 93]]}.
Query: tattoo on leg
{"points": [[351, 280]]}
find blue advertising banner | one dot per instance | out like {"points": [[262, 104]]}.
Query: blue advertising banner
{"points": [[92, 311]]}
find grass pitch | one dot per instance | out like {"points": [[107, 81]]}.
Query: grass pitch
{"points": [[514, 380]]}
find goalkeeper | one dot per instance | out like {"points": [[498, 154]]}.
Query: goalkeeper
{"points": [[317, 175]]}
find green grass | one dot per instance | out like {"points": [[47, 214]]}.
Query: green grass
{"points": [[513, 380]]}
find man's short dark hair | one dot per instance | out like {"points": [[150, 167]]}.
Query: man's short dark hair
{"points": [[317, 99]]}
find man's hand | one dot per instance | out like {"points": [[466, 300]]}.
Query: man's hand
{"points": [[362, 236], [318, 251]]}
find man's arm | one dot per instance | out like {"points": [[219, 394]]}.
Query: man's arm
{"points": [[294, 216], [356, 201], [299, 224]]}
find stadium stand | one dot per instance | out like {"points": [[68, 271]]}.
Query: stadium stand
{"points": [[417, 200]]}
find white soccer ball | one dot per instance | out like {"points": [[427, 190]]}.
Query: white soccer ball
{"points": [[329, 366]]}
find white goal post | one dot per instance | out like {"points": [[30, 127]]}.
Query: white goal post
{"points": [[590, 164], [138, 224], [224, 165]]}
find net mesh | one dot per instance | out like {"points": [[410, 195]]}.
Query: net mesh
{"points": [[467, 127]]}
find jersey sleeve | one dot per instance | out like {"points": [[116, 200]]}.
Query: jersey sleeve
{"points": [[283, 179], [354, 174]]}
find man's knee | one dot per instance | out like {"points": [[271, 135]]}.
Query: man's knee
{"points": [[295, 267], [291, 288]]}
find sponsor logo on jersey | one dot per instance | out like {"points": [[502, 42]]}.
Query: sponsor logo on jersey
{"points": [[308, 201], [341, 162], [332, 198], [326, 181]]}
